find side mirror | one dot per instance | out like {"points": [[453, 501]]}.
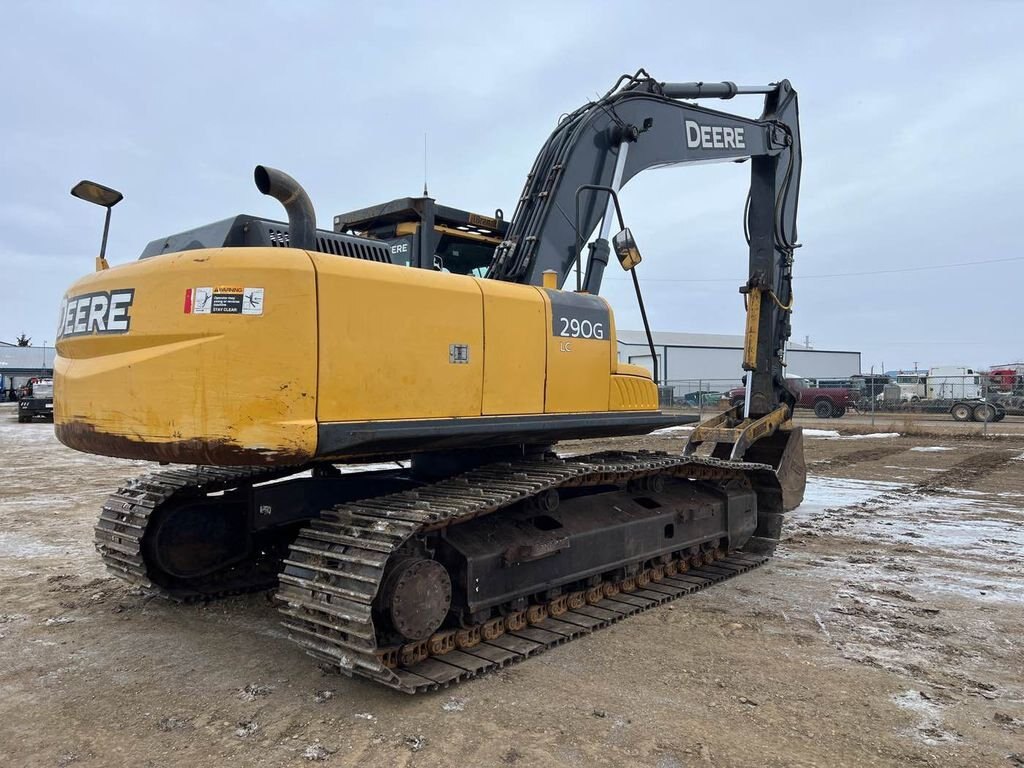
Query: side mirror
{"points": [[626, 249], [105, 197], [97, 194]]}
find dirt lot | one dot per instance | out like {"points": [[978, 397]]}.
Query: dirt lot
{"points": [[889, 630]]}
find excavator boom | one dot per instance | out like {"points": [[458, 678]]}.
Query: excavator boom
{"points": [[642, 124]]}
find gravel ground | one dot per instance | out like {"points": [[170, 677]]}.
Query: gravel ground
{"points": [[887, 631]]}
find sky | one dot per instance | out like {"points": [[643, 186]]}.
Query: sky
{"points": [[910, 120]]}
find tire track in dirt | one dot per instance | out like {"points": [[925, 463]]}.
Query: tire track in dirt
{"points": [[884, 615], [964, 473], [866, 454], [960, 476]]}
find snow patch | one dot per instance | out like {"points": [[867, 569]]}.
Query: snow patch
{"points": [[20, 545], [962, 523], [928, 729], [454, 704], [930, 448], [345, 469], [833, 434], [317, 752], [670, 430], [822, 492]]}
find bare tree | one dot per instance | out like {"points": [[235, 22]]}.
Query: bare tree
{"points": [[23, 340]]}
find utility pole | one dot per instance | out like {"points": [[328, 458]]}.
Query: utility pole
{"points": [[873, 393]]}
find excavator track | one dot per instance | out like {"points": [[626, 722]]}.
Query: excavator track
{"points": [[336, 566], [128, 514]]}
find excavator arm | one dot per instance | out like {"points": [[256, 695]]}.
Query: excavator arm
{"points": [[640, 124]]}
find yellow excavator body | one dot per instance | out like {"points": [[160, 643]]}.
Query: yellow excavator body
{"points": [[263, 354], [241, 355]]}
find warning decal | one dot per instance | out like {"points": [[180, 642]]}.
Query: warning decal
{"points": [[252, 301], [223, 300]]}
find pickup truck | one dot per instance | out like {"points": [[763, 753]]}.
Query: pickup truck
{"points": [[37, 401], [826, 402]]}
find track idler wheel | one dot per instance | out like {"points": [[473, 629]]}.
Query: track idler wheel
{"points": [[417, 594]]}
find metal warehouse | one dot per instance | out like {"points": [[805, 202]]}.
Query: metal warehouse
{"points": [[717, 357], [19, 364]]}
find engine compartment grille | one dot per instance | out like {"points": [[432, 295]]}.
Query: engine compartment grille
{"points": [[250, 232]]}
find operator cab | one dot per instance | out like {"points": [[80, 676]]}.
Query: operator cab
{"points": [[421, 233]]}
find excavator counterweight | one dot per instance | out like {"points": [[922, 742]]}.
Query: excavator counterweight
{"points": [[448, 352]]}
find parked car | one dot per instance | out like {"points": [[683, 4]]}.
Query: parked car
{"points": [[702, 397], [826, 402]]}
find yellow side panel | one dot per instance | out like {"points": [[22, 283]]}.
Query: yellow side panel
{"points": [[578, 367], [633, 393], [194, 387], [387, 338], [515, 348]]}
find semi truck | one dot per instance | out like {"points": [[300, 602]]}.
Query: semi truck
{"points": [[957, 390], [1005, 385]]}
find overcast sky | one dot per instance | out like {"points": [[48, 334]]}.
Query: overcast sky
{"points": [[911, 119]]}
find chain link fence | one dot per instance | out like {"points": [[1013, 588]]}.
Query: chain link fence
{"points": [[979, 397], [700, 396]]}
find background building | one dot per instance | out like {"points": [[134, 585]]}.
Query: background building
{"points": [[19, 364], [712, 357]]}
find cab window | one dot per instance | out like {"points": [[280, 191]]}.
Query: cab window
{"points": [[464, 257]]}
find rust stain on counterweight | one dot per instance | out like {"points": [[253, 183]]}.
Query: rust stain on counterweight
{"points": [[83, 436]]}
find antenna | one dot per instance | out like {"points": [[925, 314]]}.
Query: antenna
{"points": [[425, 193]]}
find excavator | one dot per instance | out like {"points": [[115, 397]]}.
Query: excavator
{"points": [[365, 418]]}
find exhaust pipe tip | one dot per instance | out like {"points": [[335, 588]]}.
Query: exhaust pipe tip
{"points": [[261, 175], [287, 191]]}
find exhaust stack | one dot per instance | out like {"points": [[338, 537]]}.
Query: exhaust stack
{"points": [[301, 216]]}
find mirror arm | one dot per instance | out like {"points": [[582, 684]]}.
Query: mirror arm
{"points": [[106, 231], [636, 282], [576, 224], [647, 328]]}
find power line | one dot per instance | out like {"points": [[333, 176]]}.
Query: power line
{"points": [[836, 274]]}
